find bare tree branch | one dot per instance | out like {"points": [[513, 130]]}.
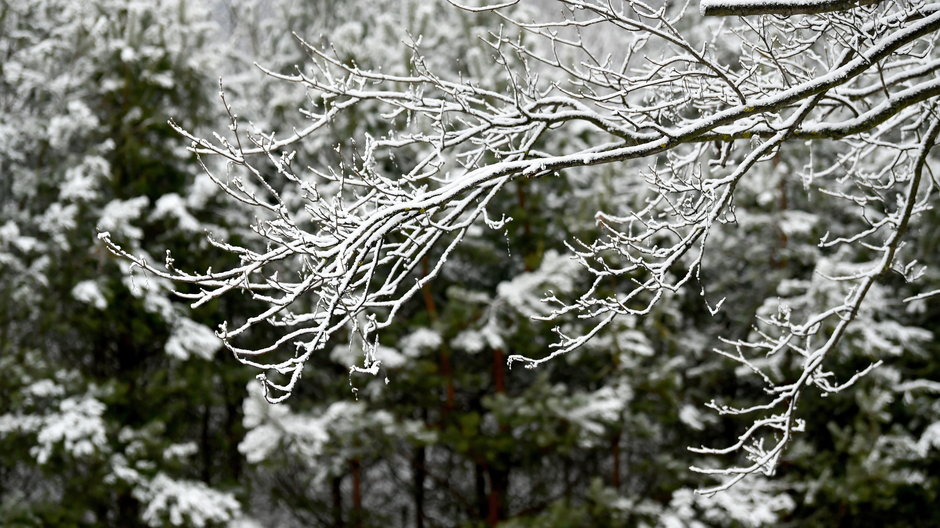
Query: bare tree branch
{"points": [[343, 254]]}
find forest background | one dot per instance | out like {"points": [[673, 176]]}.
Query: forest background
{"points": [[119, 406]]}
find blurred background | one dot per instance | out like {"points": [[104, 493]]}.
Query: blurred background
{"points": [[119, 406]]}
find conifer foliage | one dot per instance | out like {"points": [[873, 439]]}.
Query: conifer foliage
{"points": [[708, 229]]}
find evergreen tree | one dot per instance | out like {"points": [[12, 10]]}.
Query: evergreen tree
{"points": [[114, 411], [120, 407]]}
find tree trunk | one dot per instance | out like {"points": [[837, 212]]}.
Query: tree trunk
{"points": [[448, 374], [496, 500], [498, 478], [232, 423], [336, 490], [356, 472], [444, 366], [499, 371], [480, 488], [420, 460]]}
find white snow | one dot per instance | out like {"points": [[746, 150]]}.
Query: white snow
{"points": [[693, 417], [63, 127], [58, 220], [19, 423], [929, 439], [492, 335], [794, 222], [117, 215], [634, 342], [172, 206], [244, 522], [754, 505], [77, 426], [191, 339], [420, 341], [525, 291], [81, 179], [471, 341], [259, 442], [177, 451], [44, 388], [89, 292], [184, 503], [597, 409], [272, 428]]}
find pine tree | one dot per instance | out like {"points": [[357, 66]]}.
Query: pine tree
{"points": [[113, 412]]}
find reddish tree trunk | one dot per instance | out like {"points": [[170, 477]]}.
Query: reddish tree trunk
{"points": [[444, 366], [499, 371], [448, 375], [496, 500]]}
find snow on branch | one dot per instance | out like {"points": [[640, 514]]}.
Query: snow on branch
{"points": [[778, 7]]}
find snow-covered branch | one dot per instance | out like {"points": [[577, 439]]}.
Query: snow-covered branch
{"points": [[340, 237], [778, 7]]}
